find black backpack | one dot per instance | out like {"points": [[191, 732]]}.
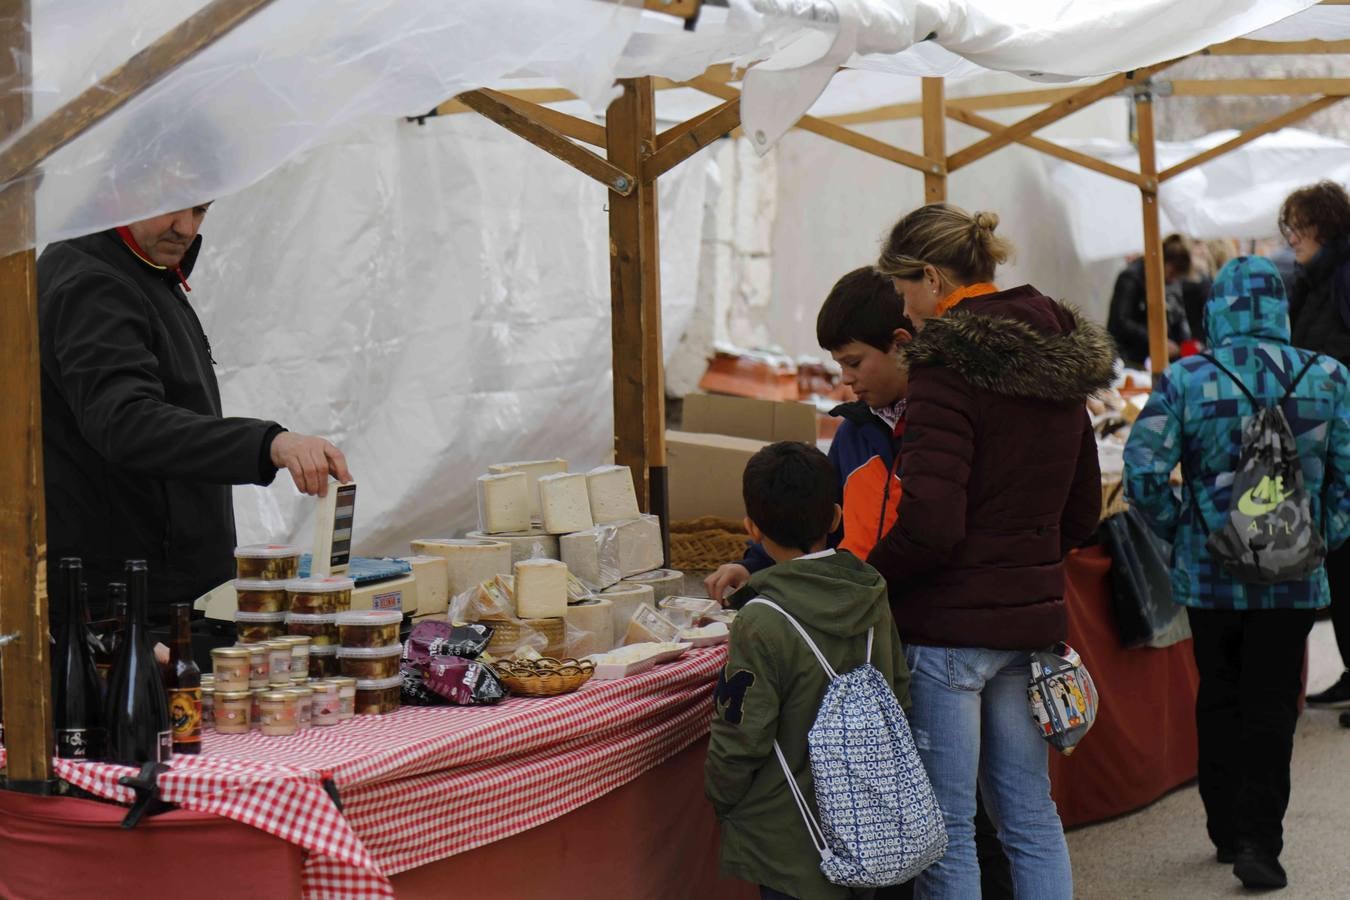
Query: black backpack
{"points": [[1269, 535]]}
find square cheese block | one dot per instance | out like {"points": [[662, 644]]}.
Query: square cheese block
{"points": [[469, 562], [613, 497], [433, 582], [534, 469], [605, 554], [541, 589], [503, 503], [565, 502]]}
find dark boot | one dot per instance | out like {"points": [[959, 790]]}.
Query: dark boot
{"points": [[1259, 871], [1336, 696]]}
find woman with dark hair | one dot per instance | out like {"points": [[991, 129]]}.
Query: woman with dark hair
{"points": [[1000, 479], [1315, 221]]}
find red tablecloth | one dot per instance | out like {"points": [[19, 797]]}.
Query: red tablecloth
{"points": [[1143, 744], [425, 783]]}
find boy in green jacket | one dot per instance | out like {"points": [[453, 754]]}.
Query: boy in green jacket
{"points": [[772, 685]]}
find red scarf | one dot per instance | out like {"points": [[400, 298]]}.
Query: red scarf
{"points": [[127, 238]]}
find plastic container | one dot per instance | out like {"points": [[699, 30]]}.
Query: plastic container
{"points": [[327, 702], [208, 707], [257, 665], [369, 628], [304, 695], [233, 711], [267, 562], [279, 713], [299, 654], [257, 595], [378, 696], [278, 662], [254, 628], [325, 596], [370, 662], [231, 665], [323, 661], [320, 628], [346, 696]]}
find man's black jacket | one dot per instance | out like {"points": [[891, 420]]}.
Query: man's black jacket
{"points": [[138, 460]]}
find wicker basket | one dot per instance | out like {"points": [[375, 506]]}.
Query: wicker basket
{"points": [[1113, 497], [545, 677], [701, 545]]}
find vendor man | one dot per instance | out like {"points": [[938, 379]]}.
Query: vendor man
{"points": [[138, 457]]}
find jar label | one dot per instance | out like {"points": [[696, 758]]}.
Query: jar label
{"points": [[185, 715], [78, 743]]}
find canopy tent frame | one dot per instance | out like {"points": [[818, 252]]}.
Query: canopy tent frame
{"points": [[634, 158]]}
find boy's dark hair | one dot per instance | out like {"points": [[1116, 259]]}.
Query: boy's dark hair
{"points": [[1323, 207], [862, 306], [789, 490]]}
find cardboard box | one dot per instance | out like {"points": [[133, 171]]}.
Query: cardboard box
{"points": [[705, 474], [760, 420]]}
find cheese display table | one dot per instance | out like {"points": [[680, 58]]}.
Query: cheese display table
{"points": [[425, 783]]}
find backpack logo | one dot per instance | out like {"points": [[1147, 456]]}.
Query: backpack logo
{"points": [[1268, 494]]}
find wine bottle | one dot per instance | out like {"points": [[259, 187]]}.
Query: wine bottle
{"points": [[138, 717], [111, 631], [183, 685], [77, 696]]}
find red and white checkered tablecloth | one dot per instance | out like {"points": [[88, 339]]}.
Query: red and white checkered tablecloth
{"points": [[425, 783]]}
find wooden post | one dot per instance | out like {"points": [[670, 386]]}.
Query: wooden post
{"points": [[635, 298], [1153, 263], [934, 138], [23, 530]]}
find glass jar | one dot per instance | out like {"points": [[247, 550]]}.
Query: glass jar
{"points": [[234, 710], [370, 662], [369, 627], [300, 648], [304, 695], [257, 665], [327, 702], [208, 706], [323, 661], [320, 596], [254, 628], [278, 662], [279, 713], [255, 595], [378, 696], [320, 628], [346, 696], [231, 668], [267, 562]]}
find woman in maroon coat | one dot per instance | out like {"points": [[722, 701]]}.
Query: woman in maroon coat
{"points": [[1000, 479]]}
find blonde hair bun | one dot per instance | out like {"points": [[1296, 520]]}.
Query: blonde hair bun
{"points": [[985, 220]]}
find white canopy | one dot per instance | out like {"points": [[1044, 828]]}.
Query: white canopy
{"points": [[303, 73]]}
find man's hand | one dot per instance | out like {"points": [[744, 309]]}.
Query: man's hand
{"points": [[726, 579], [310, 460]]}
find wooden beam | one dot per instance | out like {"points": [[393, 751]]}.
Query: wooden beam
{"points": [[635, 299], [974, 120], [682, 9], [840, 134], [592, 133], [1080, 99], [1251, 134], [1258, 87], [679, 143], [23, 530], [934, 138], [91, 106], [1247, 47], [1008, 100], [1155, 288], [550, 141]]}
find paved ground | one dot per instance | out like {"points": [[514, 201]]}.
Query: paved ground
{"points": [[1162, 851]]}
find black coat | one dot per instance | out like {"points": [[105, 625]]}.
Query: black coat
{"points": [[1315, 320], [138, 459], [1127, 320]]}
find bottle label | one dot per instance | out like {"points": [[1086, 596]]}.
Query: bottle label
{"points": [[78, 743], [165, 746], [185, 715]]}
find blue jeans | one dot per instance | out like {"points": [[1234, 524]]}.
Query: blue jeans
{"points": [[971, 724]]}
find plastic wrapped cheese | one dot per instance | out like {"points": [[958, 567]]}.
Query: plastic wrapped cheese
{"points": [[565, 503], [664, 582], [613, 497], [625, 600], [647, 624], [530, 544], [504, 503], [541, 589], [605, 554], [533, 470], [590, 627], [469, 561]]}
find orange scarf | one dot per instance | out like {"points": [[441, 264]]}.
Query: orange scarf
{"points": [[979, 289]]}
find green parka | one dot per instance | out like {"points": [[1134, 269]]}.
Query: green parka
{"points": [[770, 690]]}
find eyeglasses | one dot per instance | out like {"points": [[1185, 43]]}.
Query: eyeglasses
{"points": [[1290, 232]]}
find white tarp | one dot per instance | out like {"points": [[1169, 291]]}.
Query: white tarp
{"points": [[1237, 195], [302, 72]]}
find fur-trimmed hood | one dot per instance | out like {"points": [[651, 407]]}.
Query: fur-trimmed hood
{"points": [[1019, 343]]}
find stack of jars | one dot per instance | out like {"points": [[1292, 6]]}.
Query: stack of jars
{"points": [[267, 688], [312, 608], [263, 571], [370, 652]]}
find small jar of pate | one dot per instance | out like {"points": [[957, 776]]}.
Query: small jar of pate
{"points": [[255, 712], [304, 695], [279, 662], [257, 665], [279, 713], [208, 705], [231, 665], [300, 645], [326, 702], [346, 696], [233, 711]]}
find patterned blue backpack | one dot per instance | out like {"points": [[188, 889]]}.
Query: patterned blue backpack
{"points": [[879, 821]]}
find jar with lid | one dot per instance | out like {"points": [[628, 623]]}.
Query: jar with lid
{"points": [[279, 713], [320, 628], [278, 662], [323, 661], [208, 705], [346, 696], [377, 696], [322, 596], [370, 662], [233, 711], [369, 627], [254, 595], [327, 702], [231, 666], [257, 662], [257, 627], [299, 654], [304, 695], [267, 562]]}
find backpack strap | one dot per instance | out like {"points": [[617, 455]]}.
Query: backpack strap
{"points": [[813, 828], [1236, 380], [1299, 377], [820, 657]]}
